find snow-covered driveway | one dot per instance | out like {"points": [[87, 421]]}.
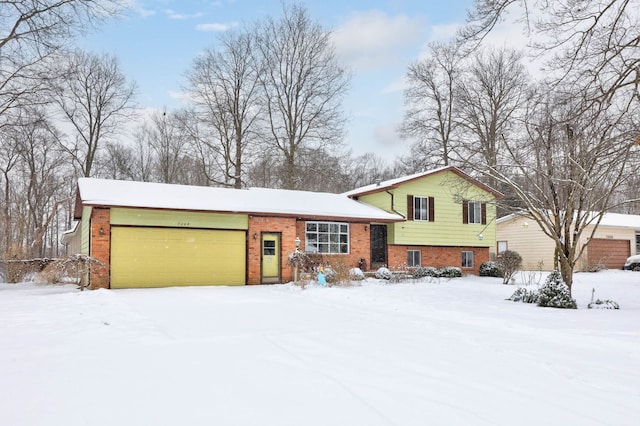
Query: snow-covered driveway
{"points": [[449, 353]]}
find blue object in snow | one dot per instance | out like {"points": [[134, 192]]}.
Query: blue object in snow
{"points": [[321, 278]]}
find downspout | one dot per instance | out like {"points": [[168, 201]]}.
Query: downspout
{"points": [[392, 201]]}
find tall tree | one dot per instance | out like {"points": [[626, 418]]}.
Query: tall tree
{"points": [[592, 45], [223, 84], [491, 97], [592, 57], [32, 30], [567, 168], [94, 97], [429, 99], [302, 84], [167, 142]]}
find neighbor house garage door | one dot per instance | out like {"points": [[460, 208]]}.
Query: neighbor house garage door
{"points": [[609, 253], [162, 257]]}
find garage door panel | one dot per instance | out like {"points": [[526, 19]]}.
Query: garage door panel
{"points": [[608, 252], [161, 257]]}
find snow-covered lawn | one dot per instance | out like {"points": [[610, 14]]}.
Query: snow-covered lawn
{"points": [[448, 353]]}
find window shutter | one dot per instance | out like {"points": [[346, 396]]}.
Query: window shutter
{"points": [[409, 207], [465, 212], [432, 215], [484, 213]]}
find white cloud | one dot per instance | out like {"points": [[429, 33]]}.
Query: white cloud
{"points": [[146, 12], [172, 14], [216, 26], [373, 39]]}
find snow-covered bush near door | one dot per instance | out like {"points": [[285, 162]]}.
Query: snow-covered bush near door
{"points": [[383, 274]]}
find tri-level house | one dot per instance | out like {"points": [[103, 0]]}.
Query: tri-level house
{"points": [[156, 235], [450, 220]]}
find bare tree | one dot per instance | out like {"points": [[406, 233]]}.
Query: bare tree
{"points": [[430, 102], [129, 161], [167, 142], [491, 95], [30, 31], [302, 84], [223, 84], [593, 45], [94, 97], [580, 147], [567, 168]]}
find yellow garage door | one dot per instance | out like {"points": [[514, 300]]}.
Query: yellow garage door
{"points": [[163, 257]]}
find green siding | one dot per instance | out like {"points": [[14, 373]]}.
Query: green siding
{"points": [[379, 199], [85, 230], [178, 219], [448, 190]]}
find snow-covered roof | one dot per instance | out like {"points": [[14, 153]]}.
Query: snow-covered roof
{"points": [[393, 183], [617, 220], [117, 193]]}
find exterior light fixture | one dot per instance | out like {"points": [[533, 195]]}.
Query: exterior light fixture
{"points": [[101, 231], [297, 242], [255, 235]]}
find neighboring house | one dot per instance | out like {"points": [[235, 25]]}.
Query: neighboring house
{"points": [[616, 238], [450, 220], [156, 235]]}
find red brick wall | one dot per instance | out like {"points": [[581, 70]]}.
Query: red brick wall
{"points": [[438, 256], [100, 244], [286, 227], [359, 243]]}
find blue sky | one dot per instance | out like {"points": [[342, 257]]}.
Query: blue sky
{"points": [[157, 40]]}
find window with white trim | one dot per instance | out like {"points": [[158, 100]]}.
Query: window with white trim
{"points": [[327, 237], [467, 259], [413, 258], [475, 212], [502, 246], [421, 208]]}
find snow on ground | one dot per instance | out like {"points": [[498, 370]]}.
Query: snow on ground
{"points": [[417, 353]]}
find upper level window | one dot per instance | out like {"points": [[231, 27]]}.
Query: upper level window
{"points": [[327, 237], [474, 212], [420, 208]]}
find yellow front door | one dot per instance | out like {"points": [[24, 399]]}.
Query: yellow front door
{"points": [[270, 258]]}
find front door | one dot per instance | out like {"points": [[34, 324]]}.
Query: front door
{"points": [[270, 258], [378, 246]]}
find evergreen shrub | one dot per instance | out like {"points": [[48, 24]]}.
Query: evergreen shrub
{"points": [[554, 293], [491, 269]]}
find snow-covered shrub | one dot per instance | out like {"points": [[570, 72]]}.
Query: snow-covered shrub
{"points": [[490, 269], [450, 272], [383, 274], [298, 258], [603, 304], [425, 271], [70, 269], [554, 293], [356, 274], [509, 262], [330, 274], [525, 295]]}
